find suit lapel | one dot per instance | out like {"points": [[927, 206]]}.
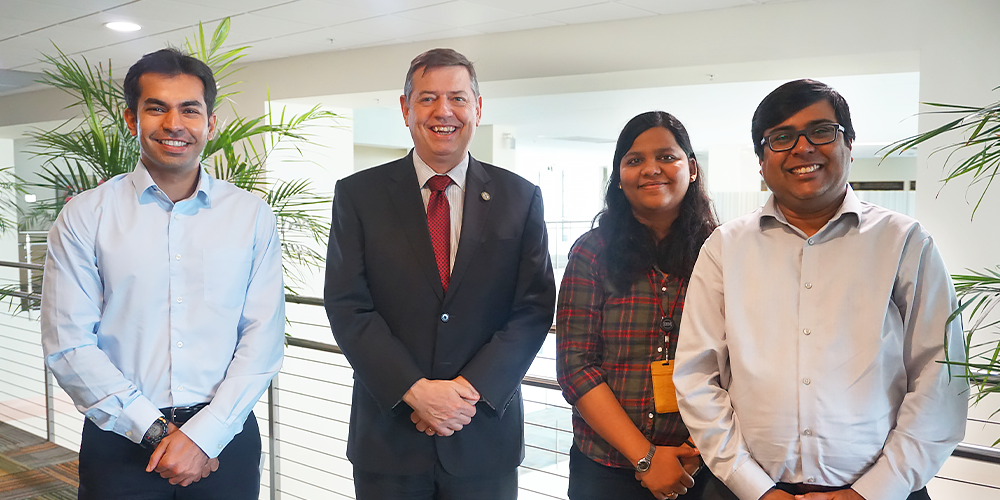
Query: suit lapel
{"points": [[474, 216], [406, 200]]}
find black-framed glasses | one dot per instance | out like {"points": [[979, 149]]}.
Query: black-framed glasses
{"points": [[816, 135]]}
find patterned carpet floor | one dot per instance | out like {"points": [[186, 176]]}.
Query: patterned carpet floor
{"points": [[31, 468]]}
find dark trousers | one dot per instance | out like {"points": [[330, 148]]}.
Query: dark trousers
{"points": [[114, 468], [801, 489], [435, 484], [589, 480]]}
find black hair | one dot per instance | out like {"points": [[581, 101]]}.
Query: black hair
{"points": [[631, 248], [792, 97], [170, 62], [438, 58]]}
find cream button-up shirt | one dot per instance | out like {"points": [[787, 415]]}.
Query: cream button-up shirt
{"points": [[816, 359]]}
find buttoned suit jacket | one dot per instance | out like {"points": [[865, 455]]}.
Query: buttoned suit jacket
{"points": [[395, 324]]}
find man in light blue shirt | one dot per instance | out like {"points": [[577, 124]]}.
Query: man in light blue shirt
{"points": [[163, 305]]}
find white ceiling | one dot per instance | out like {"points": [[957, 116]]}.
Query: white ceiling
{"points": [[281, 28]]}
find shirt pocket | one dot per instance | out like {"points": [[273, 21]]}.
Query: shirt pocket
{"points": [[226, 275]]}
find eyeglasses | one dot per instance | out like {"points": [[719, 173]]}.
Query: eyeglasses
{"points": [[816, 135]]}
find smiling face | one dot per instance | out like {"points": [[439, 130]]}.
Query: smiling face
{"points": [[808, 179], [171, 121], [655, 174], [442, 114]]}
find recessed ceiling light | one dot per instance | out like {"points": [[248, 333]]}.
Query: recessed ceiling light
{"points": [[123, 26]]}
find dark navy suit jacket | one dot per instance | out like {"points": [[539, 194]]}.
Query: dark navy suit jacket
{"points": [[387, 311]]}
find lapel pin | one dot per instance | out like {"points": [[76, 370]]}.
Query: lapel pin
{"points": [[485, 195]]}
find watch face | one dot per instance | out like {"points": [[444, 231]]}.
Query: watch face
{"points": [[643, 465], [156, 432]]}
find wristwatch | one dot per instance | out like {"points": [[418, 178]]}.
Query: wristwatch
{"points": [[156, 432], [643, 464]]}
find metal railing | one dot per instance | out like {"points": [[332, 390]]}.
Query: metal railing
{"points": [[304, 414]]}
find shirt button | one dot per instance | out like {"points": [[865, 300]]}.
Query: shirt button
{"points": [[651, 415], [807, 432], [808, 285], [220, 446], [659, 349], [806, 381], [128, 433], [177, 217], [807, 331], [663, 289], [180, 344], [179, 300], [180, 388], [810, 480], [810, 241], [445, 318], [178, 256]]}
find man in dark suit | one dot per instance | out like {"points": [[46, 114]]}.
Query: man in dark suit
{"points": [[439, 290]]}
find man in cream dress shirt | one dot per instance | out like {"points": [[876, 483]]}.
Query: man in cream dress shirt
{"points": [[808, 360]]}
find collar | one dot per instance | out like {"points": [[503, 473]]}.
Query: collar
{"points": [[147, 191], [425, 172], [851, 205]]}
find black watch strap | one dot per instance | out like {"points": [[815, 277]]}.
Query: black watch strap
{"points": [[154, 434]]}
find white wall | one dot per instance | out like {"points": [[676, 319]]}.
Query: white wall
{"points": [[370, 156], [958, 47]]}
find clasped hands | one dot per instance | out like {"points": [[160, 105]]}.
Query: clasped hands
{"points": [[670, 471], [179, 460], [441, 407]]}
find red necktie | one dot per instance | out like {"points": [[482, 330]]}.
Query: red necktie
{"points": [[439, 225]]}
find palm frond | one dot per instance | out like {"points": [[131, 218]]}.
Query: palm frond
{"points": [[980, 127]]}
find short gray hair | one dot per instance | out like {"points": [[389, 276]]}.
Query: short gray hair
{"points": [[439, 58]]}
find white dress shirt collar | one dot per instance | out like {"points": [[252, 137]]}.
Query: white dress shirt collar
{"points": [[457, 173], [851, 205]]}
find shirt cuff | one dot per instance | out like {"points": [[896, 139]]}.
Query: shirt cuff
{"points": [[580, 383], [209, 433], [749, 481], [136, 418], [879, 482]]}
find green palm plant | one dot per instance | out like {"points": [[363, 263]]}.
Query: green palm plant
{"points": [[10, 189], [976, 155], [84, 152]]}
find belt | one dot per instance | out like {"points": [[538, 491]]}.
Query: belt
{"points": [[803, 488], [178, 415]]}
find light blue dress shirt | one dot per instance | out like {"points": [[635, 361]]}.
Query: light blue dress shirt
{"points": [[148, 304]]}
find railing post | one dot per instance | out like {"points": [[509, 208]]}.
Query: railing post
{"points": [[50, 406], [272, 438]]}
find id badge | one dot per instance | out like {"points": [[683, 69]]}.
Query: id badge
{"points": [[664, 395]]}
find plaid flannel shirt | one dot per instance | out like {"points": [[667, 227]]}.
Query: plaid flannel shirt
{"points": [[608, 337]]}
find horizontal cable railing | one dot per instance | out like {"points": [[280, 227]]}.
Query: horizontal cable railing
{"points": [[304, 416]]}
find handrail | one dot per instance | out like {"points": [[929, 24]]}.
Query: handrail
{"points": [[964, 450], [977, 452], [22, 265]]}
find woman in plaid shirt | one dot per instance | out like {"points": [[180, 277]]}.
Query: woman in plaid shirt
{"points": [[619, 308]]}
